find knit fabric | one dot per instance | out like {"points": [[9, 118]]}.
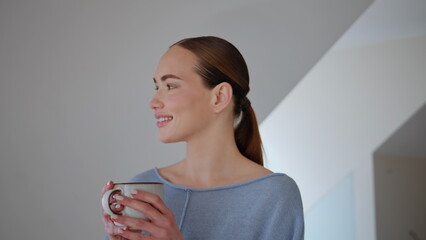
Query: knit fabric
{"points": [[268, 207]]}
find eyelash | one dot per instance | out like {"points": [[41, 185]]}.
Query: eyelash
{"points": [[169, 87]]}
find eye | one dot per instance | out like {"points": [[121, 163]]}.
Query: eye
{"points": [[170, 86], [156, 88]]}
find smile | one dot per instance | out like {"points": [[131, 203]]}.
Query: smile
{"points": [[163, 121]]}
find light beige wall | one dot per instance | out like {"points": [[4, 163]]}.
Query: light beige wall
{"points": [[400, 197]]}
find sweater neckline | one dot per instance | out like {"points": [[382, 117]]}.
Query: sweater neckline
{"points": [[235, 185]]}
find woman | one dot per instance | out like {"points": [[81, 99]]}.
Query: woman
{"points": [[221, 189]]}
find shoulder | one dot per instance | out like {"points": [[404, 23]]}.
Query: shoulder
{"points": [[283, 195], [280, 182], [283, 208], [147, 176], [280, 187], [284, 183]]}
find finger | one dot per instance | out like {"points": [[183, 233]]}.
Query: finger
{"points": [[114, 230], [112, 202], [147, 209], [135, 223], [152, 199], [105, 217], [109, 185], [135, 235], [116, 207], [111, 228], [117, 230]]}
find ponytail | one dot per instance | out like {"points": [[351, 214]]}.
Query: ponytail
{"points": [[247, 136]]}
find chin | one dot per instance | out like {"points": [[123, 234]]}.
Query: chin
{"points": [[165, 139]]}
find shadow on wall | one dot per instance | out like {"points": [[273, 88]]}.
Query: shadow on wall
{"points": [[399, 176]]}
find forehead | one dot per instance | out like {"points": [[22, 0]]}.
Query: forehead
{"points": [[176, 60]]}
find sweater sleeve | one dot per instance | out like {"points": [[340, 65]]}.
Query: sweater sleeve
{"points": [[286, 222]]}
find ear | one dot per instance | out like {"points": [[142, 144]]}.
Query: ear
{"points": [[222, 96]]}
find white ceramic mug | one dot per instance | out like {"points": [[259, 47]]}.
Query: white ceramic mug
{"points": [[125, 189]]}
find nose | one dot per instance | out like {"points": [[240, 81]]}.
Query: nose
{"points": [[156, 102]]}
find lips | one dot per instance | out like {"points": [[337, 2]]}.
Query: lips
{"points": [[163, 120]]}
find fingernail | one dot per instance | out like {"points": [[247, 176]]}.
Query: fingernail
{"points": [[134, 191], [116, 206], [109, 182], [113, 216], [118, 197]]}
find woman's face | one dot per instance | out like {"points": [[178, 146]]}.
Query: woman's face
{"points": [[181, 102]]}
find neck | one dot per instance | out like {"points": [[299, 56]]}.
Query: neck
{"points": [[212, 156]]}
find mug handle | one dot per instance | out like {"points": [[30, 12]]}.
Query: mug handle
{"points": [[105, 200]]}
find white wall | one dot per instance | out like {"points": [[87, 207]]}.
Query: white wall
{"points": [[75, 81], [344, 109]]}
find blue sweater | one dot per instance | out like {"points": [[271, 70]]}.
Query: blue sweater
{"points": [[268, 207]]}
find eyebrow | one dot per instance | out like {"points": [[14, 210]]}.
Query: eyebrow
{"points": [[165, 77]]}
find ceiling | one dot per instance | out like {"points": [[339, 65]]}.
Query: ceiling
{"points": [[386, 20]]}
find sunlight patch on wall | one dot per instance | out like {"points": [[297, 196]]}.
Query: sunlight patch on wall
{"points": [[332, 218]]}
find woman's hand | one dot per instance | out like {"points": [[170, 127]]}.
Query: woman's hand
{"points": [[162, 225], [111, 230]]}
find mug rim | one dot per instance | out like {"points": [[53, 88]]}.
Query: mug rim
{"points": [[127, 183]]}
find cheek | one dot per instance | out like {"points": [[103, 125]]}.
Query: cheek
{"points": [[200, 104], [178, 102], [188, 102]]}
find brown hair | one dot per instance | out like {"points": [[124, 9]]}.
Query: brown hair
{"points": [[220, 61]]}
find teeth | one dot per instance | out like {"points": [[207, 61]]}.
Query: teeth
{"points": [[165, 119]]}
